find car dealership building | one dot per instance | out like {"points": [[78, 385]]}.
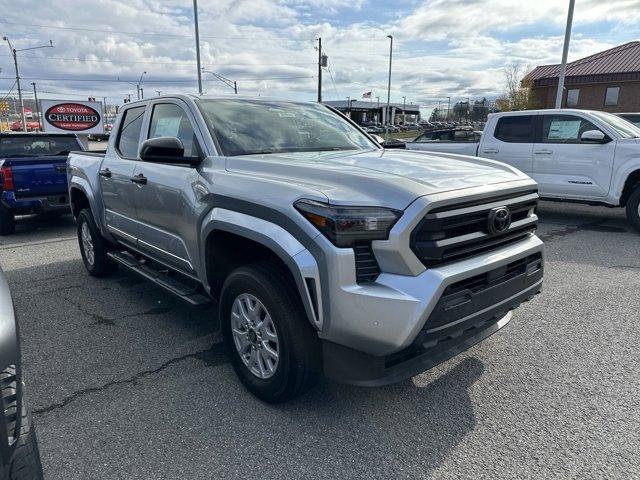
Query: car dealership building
{"points": [[363, 112]]}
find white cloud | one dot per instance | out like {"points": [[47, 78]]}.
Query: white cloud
{"points": [[442, 47]]}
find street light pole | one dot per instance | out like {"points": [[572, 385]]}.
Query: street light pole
{"points": [[390, 37], [195, 21], [448, 108], [565, 53], [35, 95], [139, 87]]}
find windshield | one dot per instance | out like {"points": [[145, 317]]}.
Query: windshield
{"points": [[633, 118], [623, 127], [36, 146], [245, 127]]}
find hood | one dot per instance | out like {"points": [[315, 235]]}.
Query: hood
{"points": [[391, 178]]}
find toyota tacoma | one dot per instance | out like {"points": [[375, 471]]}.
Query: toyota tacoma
{"points": [[325, 252]]}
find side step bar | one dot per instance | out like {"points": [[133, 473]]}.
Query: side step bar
{"points": [[188, 291]]}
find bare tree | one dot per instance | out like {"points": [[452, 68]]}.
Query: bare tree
{"points": [[517, 93]]}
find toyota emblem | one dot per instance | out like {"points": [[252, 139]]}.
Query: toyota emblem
{"points": [[499, 220]]}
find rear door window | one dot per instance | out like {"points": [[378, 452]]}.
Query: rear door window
{"points": [[129, 136], [515, 129]]}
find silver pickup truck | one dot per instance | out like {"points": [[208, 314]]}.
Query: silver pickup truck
{"points": [[326, 253]]}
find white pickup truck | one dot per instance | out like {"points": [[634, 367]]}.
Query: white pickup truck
{"points": [[574, 155]]}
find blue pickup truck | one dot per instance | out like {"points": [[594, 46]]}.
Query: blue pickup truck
{"points": [[33, 174]]}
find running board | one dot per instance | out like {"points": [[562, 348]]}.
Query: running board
{"points": [[188, 291]]}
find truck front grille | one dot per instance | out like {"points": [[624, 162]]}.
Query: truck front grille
{"points": [[455, 232], [367, 269], [9, 392]]}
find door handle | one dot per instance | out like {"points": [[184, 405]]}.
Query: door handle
{"points": [[61, 168], [490, 150], [139, 179], [105, 173], [543, 152]]}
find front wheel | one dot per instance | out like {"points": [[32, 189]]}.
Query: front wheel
{"points": [[633, 208], [274, 350], [93, 247]]}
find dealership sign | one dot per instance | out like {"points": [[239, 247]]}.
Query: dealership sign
{"points": [[72, 116]]}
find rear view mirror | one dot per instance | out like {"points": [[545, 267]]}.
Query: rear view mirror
{"points": [[593, 136], [165, 150]]}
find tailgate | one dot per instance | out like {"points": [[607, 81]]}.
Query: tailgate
{"points": [[40, 176]]}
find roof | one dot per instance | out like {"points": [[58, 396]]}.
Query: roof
{"points": [[369, 105], [621, 59]]}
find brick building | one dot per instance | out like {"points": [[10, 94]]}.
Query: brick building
{"points": [[607, 81]]}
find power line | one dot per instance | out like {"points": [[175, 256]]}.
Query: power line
{"points": [[163, 34], [116, 80], [10, 90], [89, 60]]}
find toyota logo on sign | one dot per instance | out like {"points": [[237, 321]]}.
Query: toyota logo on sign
{"points": [[73, 117], [499, 220]]}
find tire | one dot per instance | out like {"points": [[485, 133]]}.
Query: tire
{"points": [[298, 347], [7, 222], [24, 463], [633, 208], [94, 255]]}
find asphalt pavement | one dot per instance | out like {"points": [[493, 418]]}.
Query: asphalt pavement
{"points": [[127, 382]]}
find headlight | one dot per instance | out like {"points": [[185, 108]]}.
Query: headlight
{"points": [[346, 225]]}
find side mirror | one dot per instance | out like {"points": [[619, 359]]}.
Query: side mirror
{"points": [[378, 138], [165, 150], [593, 136]]}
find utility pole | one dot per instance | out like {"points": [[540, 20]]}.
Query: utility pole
{"points": [[319, 69], [448, 108], [35, 95], [14, 54], [565, 53], [349, 106], [195, 21], [404, 111], [390, 37]]}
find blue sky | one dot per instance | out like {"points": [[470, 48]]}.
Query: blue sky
{"points": [[442, 48]]}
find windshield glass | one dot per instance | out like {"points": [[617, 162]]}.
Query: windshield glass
{"points": [[36, 146], [245, 127], [624, 128], [633, 118]]}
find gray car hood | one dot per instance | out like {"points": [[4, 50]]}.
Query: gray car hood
{"points": [[392, 178]]}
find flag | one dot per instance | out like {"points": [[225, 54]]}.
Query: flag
{"points": [[366, 95]]}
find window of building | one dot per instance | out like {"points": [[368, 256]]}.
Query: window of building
{"points": [[564, 128], [611, 97], [572, 97], [515, 129], [129, 136]]}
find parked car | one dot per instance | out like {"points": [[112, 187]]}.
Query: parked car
{"points": [[19, 454], [100, 137], [631, 117], [32, 126], [575, 155], [325, 252], [463, 140], [33, 174]]}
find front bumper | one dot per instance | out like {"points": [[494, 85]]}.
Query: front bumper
{"points": [[385, 317], [27, 205]]}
